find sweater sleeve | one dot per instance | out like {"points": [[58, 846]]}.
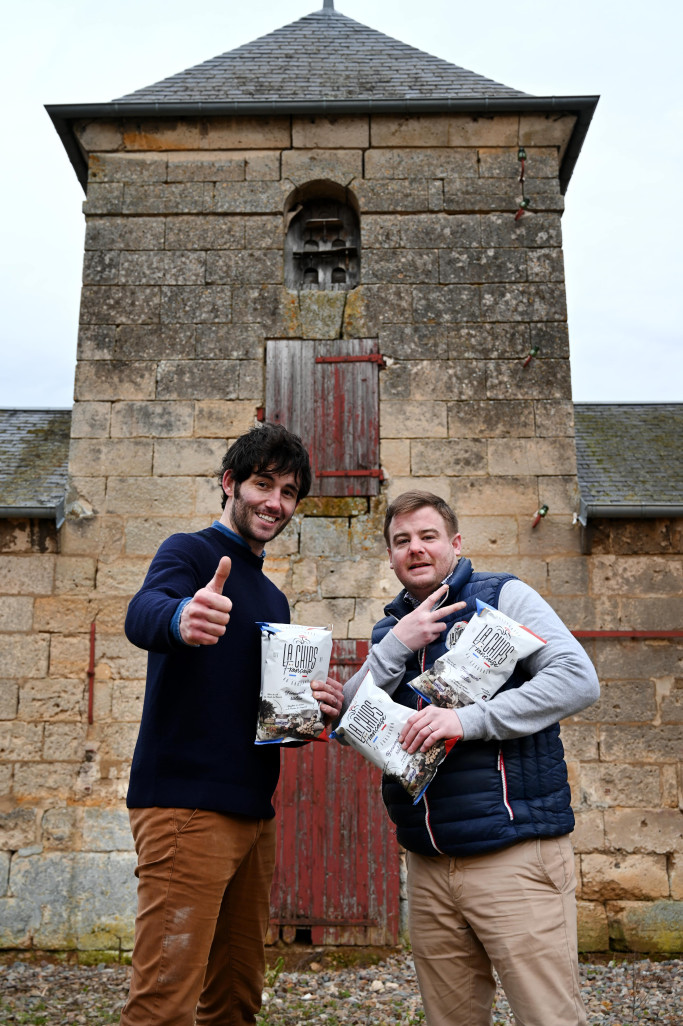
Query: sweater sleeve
{"points": [[387, 662], [562, 682], [173, 575]]}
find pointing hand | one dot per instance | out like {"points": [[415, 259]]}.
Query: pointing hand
{"points": [[206, 615]]}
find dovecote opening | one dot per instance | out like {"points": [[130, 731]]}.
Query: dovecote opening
{"points": [[322, 238]]}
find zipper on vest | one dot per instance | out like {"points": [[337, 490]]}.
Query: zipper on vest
{"points": [[504, 782], [429, 827]]}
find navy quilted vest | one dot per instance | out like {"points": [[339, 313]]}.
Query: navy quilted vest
{"points": [[486, 794]]}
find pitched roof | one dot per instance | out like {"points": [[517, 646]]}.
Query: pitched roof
{"points": [[324, 55], [34, 454], [629, 459]]}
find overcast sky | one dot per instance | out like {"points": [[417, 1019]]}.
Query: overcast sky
{"points": [[622, 224]]}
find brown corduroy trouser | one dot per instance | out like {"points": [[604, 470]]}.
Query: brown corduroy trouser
{"points": [[203, 912], [514, 910]]}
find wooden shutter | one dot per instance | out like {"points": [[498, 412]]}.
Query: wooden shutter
{"points": [[328, 393]]}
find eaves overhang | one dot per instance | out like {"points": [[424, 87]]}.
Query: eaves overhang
{"points": [[55, 512], [630, 511], [65, 116]]}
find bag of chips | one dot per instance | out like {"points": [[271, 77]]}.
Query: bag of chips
{"points": [[480, 662], [291, 657], [372, 725]]}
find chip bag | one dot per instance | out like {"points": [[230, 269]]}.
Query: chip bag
{"points": [[372, 725], [480, 662], [291, 657]]}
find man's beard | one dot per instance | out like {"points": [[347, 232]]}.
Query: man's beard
{"points": [[240, 519]]}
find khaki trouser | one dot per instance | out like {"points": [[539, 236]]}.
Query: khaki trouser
{"points": [[203, 912], [514, 909]]}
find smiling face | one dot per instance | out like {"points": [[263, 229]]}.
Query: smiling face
{"points": [[259, 508], [422, 551]]}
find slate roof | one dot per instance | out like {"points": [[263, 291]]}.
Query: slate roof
{"points": [[34, 452], [630, 459], [322, 55]]}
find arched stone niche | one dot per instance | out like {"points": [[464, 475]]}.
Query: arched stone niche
{"points": [[322, 238]]}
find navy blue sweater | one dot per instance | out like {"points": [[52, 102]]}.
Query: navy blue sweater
{"points": [[196, 745]]}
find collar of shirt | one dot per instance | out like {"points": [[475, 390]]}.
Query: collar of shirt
{"points": [[235, 537]]}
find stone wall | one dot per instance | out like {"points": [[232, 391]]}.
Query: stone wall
{"points": [[182, 286]]}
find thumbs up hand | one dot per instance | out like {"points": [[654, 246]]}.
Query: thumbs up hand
{"points": [[205, 617]]}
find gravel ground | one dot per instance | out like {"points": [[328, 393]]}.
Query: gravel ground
{"points": [[327, 992]]}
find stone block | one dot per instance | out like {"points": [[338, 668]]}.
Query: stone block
{"points": [[20, 741], [9, 700], [249, 197], [135, 497], [534, 230], [473, 266], [453, 456], [266, 232], [187, 457], [395, 380], [497, 162], [208, 166], [286, 543], [58, 828], [490, 536], [144, 535], [401, 266], [120, 304], [90, 420], [127, 167], [676, 877], [99, 135], [644, 743], [246, 133], [380, 197], [628, 659], [500, 130], [580, 739], [124, 457], [106, 830], [127, 699], [162, 268], [428, 162], [552, 338], [533, 572], [68, 656], [526, 302], [335, 612], [495, 496], [244, 267], [96, 342], [413, 419], [335, 165], [568, 576], [531, 456], [395, 456], [166, 198], [207, 500], [101, 267], [203, 232], [624, 877], [216, 418], [510, 380], [644, 830], [74, 574], [123, 576], [380, 231], [546, 129], [127, 233], [324, 537], [24, 655], [104, 198], [593, 932], [589, 832], [623, 702], [465, 195], [490, 419], [191, 304], [560, 493], [115, 380], [652, 927], [320, 132], [229, 342], [64, 742], [51, 700], [322, 314], [605, 785], [251, 381], [670, 701], [445, 304], [367, 613], [62, 615], [18, 828], [152, 420], [118, 741], [22, 575], [304, 577], [633, 575], [447, 380], [440, 231], [370, 306], [356, 578], [545, 265], [274, 308], [409, 130], [16, 613], [198, 379]]}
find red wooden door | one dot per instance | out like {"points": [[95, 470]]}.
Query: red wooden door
{"points": [[337, 872]]}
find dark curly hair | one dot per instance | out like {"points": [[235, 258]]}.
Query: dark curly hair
{"points": [[269, 447]]}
